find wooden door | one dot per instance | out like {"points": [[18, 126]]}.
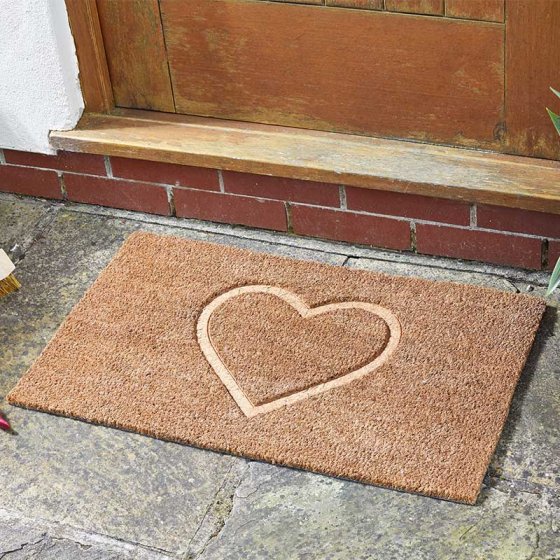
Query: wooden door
{"points": [[469, 73]]}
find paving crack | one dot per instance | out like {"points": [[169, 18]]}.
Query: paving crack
{"points": [[18, 250], [22, 547], [465, 533], [77, 543], [254, 490], [219, 510], [502, 483], [537, 545], [57, 532], [509, 285]]}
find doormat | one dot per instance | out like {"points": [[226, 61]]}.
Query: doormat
{"points": [[392, 381]]}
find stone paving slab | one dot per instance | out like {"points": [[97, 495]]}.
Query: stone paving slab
{"points": [[285, 514], [72, 490], [22, 539], [18, 219]]}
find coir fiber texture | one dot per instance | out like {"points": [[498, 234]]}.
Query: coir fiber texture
{"points": [[399, 382]]}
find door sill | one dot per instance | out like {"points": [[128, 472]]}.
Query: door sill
{"points": [[371, 163]]}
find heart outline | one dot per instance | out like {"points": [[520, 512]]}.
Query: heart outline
{"points": [[305, 311]]}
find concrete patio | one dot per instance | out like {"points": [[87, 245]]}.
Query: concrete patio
{"points": [[75, 491]]}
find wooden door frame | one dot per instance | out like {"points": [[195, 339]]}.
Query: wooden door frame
{"points": [[95, 80]]}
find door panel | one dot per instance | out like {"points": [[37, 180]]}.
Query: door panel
{"points": [[533, 65], [136, 56], [433, 7], [488, 10], [358, 71]]}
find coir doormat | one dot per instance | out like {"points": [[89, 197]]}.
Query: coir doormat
{"points": [[398, 382]]}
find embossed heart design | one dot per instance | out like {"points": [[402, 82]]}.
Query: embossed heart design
{"points": [[247, 407]]}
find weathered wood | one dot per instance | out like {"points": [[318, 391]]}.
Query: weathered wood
{"points": [[136, 54], [391, 165], [532, 66], [315, 2], [432, 7], [360, 4], [487, 10], [360, 71], [94, 74]]}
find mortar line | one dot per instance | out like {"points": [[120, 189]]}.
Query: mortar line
{"points": [[413, 237], [171, 201], [474, 216], [342, 197], [108, 167], [544, 254], [289, 219], [62, 186]]}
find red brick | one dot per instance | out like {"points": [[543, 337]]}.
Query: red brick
{"points": [[33, 182], [280, 188], [354, 228], [167, 173], [553, 253], [522, 221], [476, 245], [63, 161], [231, 209], [408, 205], [117, 194]]}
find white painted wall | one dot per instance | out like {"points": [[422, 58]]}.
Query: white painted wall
{"points": [[39, 87]]}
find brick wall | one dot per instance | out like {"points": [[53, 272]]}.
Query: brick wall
{"points": [[484, 10], [404, 222]]}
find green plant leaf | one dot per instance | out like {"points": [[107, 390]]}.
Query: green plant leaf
{"points": [[555, 120], [554, 279]]}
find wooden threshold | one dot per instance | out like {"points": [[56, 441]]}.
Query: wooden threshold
{"points": [[345, 159]]}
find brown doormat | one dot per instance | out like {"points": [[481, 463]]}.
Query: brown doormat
{"points": [[399, 382]]}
